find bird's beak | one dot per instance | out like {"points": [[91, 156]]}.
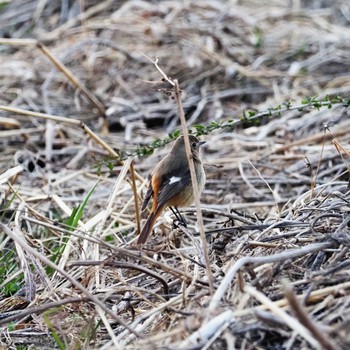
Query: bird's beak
{"points": [[201, 143]]}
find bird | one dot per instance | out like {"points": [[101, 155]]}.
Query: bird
{"points": [[170, 183]]}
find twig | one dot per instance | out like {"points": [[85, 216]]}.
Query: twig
{"points": [[290, 321], [70, 76], [41, 115], [74, 80], [134, 191], [306, 320], [195, 187], [155, 62], [125, 265]]}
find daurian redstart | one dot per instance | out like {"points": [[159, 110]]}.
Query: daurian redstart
{"points": [[170, 183]]}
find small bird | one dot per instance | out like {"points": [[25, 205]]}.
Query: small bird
{"points": [[170, 183]]}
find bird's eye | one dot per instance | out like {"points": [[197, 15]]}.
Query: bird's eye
{"points": [[194, 144]]}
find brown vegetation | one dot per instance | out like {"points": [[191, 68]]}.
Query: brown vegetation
{"points": [[80, 97]]}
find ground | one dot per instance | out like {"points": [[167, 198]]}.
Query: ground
{"points": [[87, 109]]}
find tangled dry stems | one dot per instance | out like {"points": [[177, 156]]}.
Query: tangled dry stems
{"points": [[276, 204]]}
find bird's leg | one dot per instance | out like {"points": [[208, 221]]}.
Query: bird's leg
{"points": [[175, 213], [178, 216], [182, 219]]}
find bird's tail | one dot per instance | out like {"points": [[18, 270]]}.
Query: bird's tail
{"points": [[147, 229]]}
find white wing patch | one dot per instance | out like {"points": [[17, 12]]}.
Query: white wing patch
{"points": [[174, 179]]}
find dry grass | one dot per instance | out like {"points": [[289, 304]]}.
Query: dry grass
{"points": [[276, 205]]}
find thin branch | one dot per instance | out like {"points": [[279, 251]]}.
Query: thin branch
{"points": [[74, 80], [195, 188], [155, 62], [306, 320], [289, 320]]}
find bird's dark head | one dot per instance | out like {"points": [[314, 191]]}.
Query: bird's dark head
{"points": [[195, 144]]}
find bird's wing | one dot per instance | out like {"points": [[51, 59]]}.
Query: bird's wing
{"points": [[172, 185]]}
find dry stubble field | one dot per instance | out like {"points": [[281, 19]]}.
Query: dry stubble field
{"points": [[84, 116]]}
